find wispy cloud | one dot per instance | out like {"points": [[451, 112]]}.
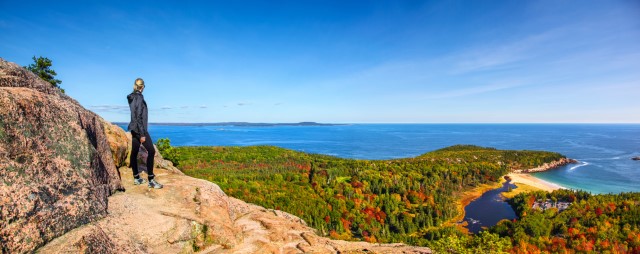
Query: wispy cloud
{"points": [[184, 107], [484, 57], [474, 90], [420, 72], [110, 108]]}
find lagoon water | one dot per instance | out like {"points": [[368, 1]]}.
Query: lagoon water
{"points": [[488, 209], [604, 150]]}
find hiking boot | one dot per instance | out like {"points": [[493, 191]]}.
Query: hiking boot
{"points": [[138, 181], [154, 184]]}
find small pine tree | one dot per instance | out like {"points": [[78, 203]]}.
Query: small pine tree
{"points": [[41, 67]]}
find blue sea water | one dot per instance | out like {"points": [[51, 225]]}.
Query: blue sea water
{"points": [[604, 150]]}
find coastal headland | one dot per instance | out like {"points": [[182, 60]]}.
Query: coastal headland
{"points": [[547, 166]]}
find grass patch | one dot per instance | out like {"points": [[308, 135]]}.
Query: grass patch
{"points": [[522, 188]]}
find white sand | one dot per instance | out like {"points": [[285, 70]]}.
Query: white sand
{"points": [[530, 180]]}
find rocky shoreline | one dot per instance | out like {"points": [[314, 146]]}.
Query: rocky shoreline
{"points": [[547, 166]]}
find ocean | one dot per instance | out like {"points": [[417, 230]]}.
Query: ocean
{"points": [[604, 151]]}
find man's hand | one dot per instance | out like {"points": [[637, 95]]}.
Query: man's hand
{"points": [[142, 139]]}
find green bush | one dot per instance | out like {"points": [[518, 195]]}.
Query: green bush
{"points": [[167, 151]]}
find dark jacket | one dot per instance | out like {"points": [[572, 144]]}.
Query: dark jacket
{"points": [[139, 114]]}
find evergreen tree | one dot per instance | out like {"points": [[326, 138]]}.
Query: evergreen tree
{"points": [[41, 67]]}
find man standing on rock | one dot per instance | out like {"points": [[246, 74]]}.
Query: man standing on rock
{"points": [[140, 135]]}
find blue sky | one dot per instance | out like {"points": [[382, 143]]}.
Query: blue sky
{"points": [[340, 61]]}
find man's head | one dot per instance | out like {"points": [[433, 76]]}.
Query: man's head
{"points": [[138, 85]]}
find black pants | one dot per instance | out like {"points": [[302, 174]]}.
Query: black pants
{"points": [[133, 161]]}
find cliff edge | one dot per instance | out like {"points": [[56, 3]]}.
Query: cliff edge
{"points": [[66, 188]]}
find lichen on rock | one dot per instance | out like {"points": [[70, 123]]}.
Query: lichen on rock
{"points": [[55, 163]]}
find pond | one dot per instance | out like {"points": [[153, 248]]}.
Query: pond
{"points": [[488, 209]]}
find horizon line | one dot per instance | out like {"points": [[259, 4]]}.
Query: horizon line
{"points": [[345, 123]]}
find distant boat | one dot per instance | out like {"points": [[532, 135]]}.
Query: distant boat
{"points": [[637, 158]]}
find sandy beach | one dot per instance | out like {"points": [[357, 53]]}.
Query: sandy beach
{"points": [[530, 180]]}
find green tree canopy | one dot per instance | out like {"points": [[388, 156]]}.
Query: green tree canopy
{"points": [[41, 67]]}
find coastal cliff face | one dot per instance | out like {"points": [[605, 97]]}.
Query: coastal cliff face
{"points": [[64, 170]]}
